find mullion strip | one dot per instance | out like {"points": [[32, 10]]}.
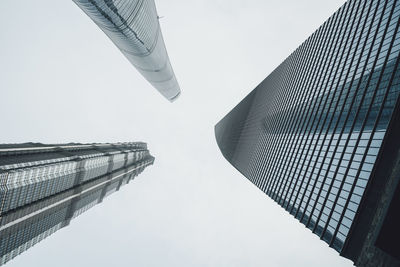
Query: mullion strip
{"points": [[341, 157], [288, 66], [275, 145], [293, 68], [285, 117], [254, 167], [308, 117], [331, 98], [339, 99], [322, 184], [368, 92], [338, 144], [287, 69], [260, 150], [317, 142], [272, 141], [313, 178], [296, 125], [302, 152], [269, 153], [357, 27], [366, 119]]}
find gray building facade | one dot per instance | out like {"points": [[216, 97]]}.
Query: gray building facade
{"points": [[44, 187], [320, 135], [134, 28]]}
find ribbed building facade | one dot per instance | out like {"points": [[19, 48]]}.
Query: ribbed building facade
{"points": [[320, 135], [44, 187], [134, 28]]}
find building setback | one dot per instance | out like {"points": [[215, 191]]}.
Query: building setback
{"points": [[134, 28], [44, 187], [320, 135]]}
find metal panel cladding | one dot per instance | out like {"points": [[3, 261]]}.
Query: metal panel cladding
{"points": [[30, 172], [44, 187], [22, 228], [310, 133], [134, 28]]}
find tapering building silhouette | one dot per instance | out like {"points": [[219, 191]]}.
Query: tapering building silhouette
{"points": [[44, 187], [134, 28], [321, 134]]}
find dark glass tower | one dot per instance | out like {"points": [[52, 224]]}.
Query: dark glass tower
{"points": [[321, 134], [44, 187], [134, 28]]}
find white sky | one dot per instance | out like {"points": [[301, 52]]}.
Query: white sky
{"points": [[62, 80]]}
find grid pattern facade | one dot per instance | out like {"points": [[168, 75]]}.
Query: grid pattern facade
{"points": [[310, 133], [22, 228], [134, 28]]}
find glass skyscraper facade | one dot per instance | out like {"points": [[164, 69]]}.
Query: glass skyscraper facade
{"points": [[319, 135], [44, 187], [134, 28]]}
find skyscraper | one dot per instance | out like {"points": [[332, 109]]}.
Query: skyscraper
{"points": [[134, 28], [320, 135], [44, 187]]}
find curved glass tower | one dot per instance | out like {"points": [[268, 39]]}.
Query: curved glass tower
{"points": [[320, 135], [134, 28]]}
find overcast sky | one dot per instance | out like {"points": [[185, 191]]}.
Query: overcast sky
{"points": [[62, 80]]}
